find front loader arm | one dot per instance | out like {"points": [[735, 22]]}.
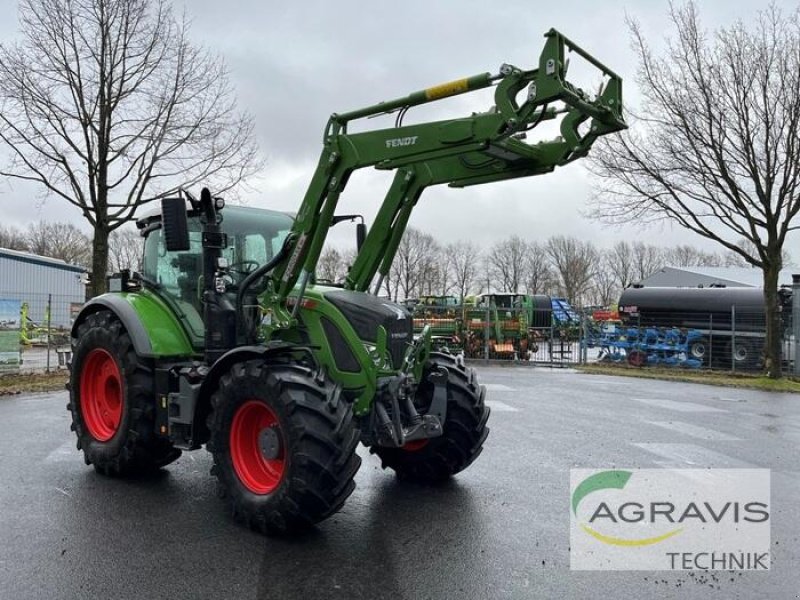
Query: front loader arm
{"points": [[479, 148], [383, 238]]}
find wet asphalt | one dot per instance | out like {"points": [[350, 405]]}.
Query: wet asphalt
{"points": [[498, 530]]}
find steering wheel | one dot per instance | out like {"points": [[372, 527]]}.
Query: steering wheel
{"points": [[243, 267]]}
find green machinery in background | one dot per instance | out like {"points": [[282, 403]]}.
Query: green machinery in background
{"points": [[444, 317], [506, 324], [498, 325], [225, 340]]}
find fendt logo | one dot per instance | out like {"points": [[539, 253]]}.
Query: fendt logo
{"points": [[403, 141], [670, 519]]}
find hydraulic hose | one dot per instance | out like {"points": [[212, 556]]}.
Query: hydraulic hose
{"points": [[260, 272]]}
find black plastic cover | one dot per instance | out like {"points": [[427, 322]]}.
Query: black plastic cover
{"points": [[342, 354], [175, 224], [366, 312]]}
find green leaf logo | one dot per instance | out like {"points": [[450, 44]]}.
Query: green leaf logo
{"points": [[616, 480]]}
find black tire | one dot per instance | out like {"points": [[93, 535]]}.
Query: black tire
{"points": [[698, 349], [463, 434], [134, 446], [745, 355], [318, 438]]}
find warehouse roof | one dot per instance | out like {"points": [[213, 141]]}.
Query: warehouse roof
{"points": [[35, 259], [708, 276]]}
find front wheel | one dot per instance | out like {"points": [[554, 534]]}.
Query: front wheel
{"points": [[436, 459], [283, 441]]}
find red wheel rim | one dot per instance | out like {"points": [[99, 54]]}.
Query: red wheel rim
{"points": [[637, 358], [259, 474], [101, 394], [415, 445]]}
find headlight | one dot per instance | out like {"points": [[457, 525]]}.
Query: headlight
{"points": [[372, 350]]}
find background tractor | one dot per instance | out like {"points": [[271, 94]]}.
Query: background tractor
{"points": [[224, 339]]}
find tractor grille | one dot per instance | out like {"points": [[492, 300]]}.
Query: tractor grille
{"points": [[365, 313]]}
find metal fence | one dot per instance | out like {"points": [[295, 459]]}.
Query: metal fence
{"points": [[729, 341], [34, 335], [34, 330]]}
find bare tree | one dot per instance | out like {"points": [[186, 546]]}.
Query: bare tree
{"points": [[125, 250], [734, 259], [647, 259], [684, 255], [107, 104], [12, 238], [716, 145], [464, 259], [432, 275], [538, 273], [506, 263], [437, 278], [331, 266], [575, 263], [605, 289], [620, 262], [412, 263], [59, 240], [749, 248]]}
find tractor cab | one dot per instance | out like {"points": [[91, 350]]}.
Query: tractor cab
{"points": [[254, 236]]}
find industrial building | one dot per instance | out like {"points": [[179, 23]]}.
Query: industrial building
{"points": [[711, 277], [31, 279]]}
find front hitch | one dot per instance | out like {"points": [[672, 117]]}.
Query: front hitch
{"points": [[397, 419]]}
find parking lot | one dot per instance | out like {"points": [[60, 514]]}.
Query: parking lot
{"points": [[498, 530]]}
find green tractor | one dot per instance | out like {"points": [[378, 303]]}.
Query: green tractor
{"points": [[225, 340]]}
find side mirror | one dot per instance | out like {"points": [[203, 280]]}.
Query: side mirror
{"points": [[175, 224], [361, 235]]}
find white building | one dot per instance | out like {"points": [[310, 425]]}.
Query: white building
{"points": [[32, 279]]}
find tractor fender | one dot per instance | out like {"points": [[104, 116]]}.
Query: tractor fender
{"points": [[125, 313], [151, 325], [218, 369]]}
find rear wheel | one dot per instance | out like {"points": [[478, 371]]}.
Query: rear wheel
{"points": [[112, 402], [283, 441], [436, 459]]}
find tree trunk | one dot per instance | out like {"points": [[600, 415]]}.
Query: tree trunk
{"points": [[772, 347], [99, 259]]}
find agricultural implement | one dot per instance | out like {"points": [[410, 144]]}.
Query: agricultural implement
{"points": [[668, 347], [225, 340], [444, 316], [507, 325]]}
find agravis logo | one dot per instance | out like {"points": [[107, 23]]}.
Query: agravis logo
{"points": [[611, 480], [670, 519]]}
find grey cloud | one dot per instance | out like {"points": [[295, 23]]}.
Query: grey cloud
{"points": [[295, 63]]}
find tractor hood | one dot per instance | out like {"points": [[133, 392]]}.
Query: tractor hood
{"points": [[366, 313]]}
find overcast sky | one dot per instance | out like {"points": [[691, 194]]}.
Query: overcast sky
{"points": [[294, 63]]}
